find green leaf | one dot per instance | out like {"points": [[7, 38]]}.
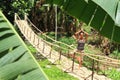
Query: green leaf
{"points": [[103, 15], [118, 15], [12, 70], [16, 61]]}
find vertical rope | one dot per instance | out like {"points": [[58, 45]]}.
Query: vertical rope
{"points": [[60, 54], [25, 17], [33, 38], [38, 43], [50, 51], [43, 47], [27, 32], [30, 35], [24, 28]]}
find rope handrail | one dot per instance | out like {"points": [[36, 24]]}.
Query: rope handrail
{"points": [[54, 44], [48, 36], [17, 17], [92, 56], [104, 57], [102, 61]]}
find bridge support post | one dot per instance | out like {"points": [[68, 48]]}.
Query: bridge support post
{"points": [[25, 16], [73, 61], [93, 69], [38, 43], [60, 54], [92, 74], [50, 52], [15, 16], [43, 47]]}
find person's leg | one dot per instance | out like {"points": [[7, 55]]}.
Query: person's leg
{"points": [[80, 59]]}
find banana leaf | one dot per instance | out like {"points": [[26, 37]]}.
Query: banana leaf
{"points": [[102, 15], [16, 61]]}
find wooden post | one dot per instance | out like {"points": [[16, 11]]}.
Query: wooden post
{"points": [[24, 29], [91, 75], [30, 35], [27, 32], [50, 51], [15, 17], [38, 43], [68, 52], [34, 39], [73, 61], [25, 16], [60, 54], [43, 47], [93, 69], [98, 66]]}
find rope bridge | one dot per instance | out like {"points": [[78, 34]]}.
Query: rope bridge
{"points": [[47, 48]]}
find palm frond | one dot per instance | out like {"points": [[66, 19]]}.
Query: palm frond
{"points": [[16, 61], [103, 15]]}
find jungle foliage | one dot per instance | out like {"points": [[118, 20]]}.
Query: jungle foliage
{"points": [[98, 14], [16, 61]]}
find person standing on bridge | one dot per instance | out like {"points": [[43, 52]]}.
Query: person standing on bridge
{"points": [[81, 38]]}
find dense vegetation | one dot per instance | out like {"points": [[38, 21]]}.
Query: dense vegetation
{"points": [[43, 16], [10, 7]]}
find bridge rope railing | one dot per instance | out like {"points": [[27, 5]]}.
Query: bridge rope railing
{"points": [[21, 26], [99, 58], [18, 18], [54, 41], [89, 55]]}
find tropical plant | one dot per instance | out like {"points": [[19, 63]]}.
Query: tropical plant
{"points": [[103, 15], [9, 7], [16, 61]]}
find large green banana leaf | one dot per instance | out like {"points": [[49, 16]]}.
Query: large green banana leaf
{"points": [[103, 15], [16, 61]]}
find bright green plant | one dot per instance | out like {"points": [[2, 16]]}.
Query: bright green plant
{"points": [[113, 74], [16, 61], [9, 7]]}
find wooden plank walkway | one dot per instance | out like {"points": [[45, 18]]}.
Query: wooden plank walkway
{"points": [[61, 61]]}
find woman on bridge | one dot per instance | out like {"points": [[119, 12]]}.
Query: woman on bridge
{"points": [[81, 38]]}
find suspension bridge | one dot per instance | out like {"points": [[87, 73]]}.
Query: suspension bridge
{"points": [[47, 49]]}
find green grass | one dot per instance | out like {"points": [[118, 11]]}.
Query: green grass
{"points": [[53, 72], [113, 74], [115, 54], [31, 48]]}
